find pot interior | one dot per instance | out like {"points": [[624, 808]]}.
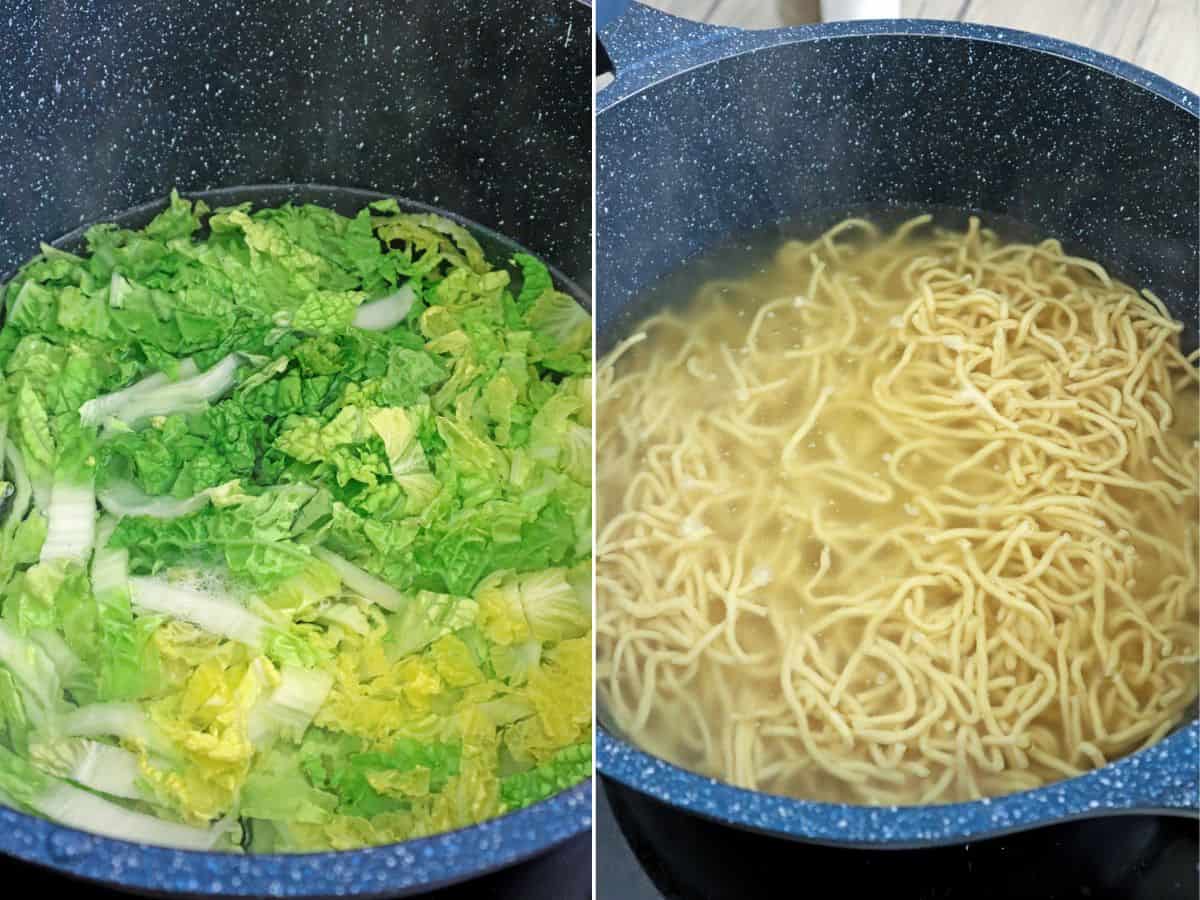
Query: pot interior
{"points": [[802, 131]]}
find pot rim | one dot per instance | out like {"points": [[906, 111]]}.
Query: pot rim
{"points": [[657, 47], [425, 863], [1163, 778]]}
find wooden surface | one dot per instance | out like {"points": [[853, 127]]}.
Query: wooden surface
{"points": [[1160, 35]]}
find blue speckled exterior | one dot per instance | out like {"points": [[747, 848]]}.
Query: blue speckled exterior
{"points": [[1162, 777], [709, 132], [480, 108], [394, 871]]}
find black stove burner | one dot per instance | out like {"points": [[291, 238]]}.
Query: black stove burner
{"points": [[688, 858], [562, 874]]}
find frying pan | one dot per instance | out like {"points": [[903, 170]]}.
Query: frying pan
{"points": [[472, 109], [711, 132]]}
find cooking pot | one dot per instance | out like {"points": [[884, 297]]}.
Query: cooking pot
{"points": [[474, 109], [711, 132]]}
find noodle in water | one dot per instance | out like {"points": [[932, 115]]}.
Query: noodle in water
{"points": [[904, 518]]}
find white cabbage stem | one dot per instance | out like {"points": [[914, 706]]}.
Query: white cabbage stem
{"points": [[156, 396], [386, 312], [126, 499], [214, 612], [125, 721], [71, 522], [101, 767], [292, 706], [362, 582], [78, 808], [95, 411]]}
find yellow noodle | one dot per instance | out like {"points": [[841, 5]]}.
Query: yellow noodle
{"points": [[903, 518]]}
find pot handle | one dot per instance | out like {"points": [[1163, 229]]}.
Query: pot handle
{"points": [[633, 42]]}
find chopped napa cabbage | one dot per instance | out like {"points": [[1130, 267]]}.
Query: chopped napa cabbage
{"points": [[278, 790], [295, 530], [562, 770], [558, 689], [123, 498], [220, 614], [514, 662], [80, 809], [552, 607], [36, 678], [97, 410], [253, 536], [317, 582], [66, 662], [22, 488], [398, 431], [126, 665], [350, 616], [542, 605], [125, 721], [290, 708], [15, 724], [426, 616]]}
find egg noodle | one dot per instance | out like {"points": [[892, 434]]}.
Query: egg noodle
{"points": [[903, 518]]}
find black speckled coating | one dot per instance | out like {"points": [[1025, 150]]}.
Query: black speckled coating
{"points": [[483, 108], [709, 132], [478, 108]]}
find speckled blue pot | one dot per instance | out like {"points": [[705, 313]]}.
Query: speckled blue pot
{"points": [[397, 870], [479, 108], [709, 132]]}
